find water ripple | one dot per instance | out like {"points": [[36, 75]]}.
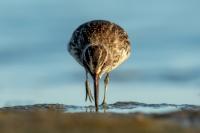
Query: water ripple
{"points": [[118, 107]]}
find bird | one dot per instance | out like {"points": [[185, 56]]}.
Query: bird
{"points": [[99, 46]]}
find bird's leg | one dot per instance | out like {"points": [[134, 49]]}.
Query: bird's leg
{"points": [[106, 81], [87, 89]]}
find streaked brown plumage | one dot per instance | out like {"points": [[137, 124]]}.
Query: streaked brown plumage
{"points": [[99, 46]]}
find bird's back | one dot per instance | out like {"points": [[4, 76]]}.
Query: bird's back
{"points": [[100, 32]]}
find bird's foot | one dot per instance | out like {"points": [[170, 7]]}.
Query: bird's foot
{"points": [[104, 104], [88, 92], [90, 97]]}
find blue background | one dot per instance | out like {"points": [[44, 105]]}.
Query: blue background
{"points": [[35, 66]]}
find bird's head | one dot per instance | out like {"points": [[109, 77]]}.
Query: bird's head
{"points": [[96, 59]]}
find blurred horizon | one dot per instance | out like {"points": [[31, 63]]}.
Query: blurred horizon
{"points": [[35, 66]]}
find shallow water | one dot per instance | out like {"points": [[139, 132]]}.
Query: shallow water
{"points": [[35, 67], [134, 107], [118, 107]]}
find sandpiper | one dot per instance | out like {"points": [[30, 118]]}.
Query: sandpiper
{"points": [[99, 46]]}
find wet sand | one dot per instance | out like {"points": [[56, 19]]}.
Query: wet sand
{"points": [[54, 118]]}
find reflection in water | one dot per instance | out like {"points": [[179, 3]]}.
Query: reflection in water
{"points": [[118, 107], [132, 107]]}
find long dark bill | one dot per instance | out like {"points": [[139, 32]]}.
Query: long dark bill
{"points": [[96, 91]]}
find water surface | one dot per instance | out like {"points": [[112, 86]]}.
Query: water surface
{"points": [[118, 107]]}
